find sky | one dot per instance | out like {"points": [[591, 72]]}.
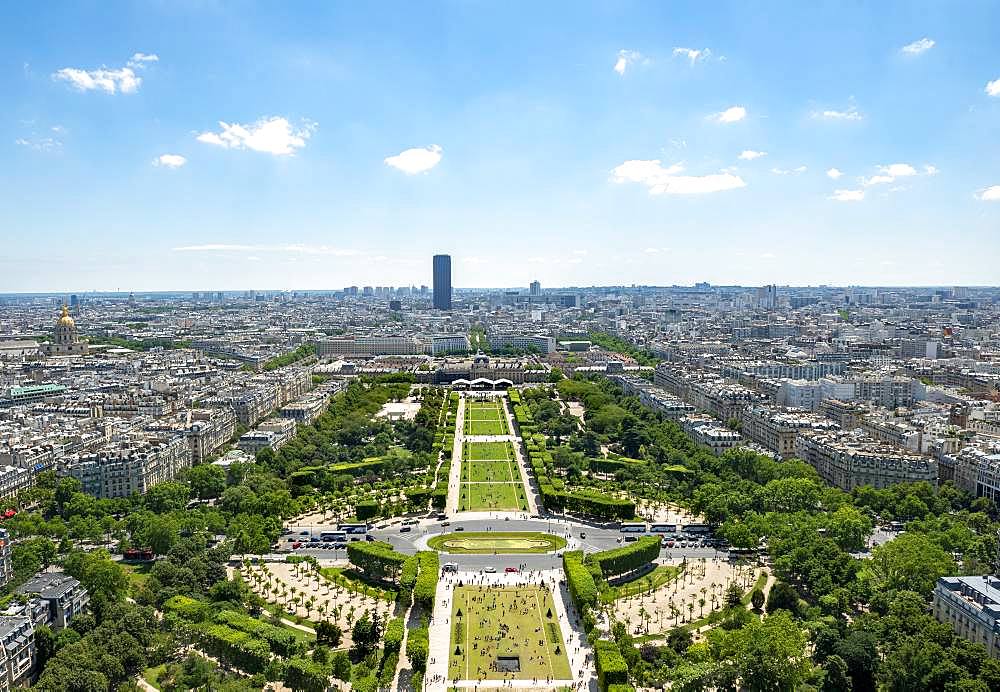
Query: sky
{"points": [[199, 145]]}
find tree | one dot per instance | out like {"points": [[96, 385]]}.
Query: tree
{"points": [[911, 562], [169, 496], [206, 481], [770, 654], [341, 665], [757, 599], [733, 596], [836, 678], [849, 528], [782, 595], [859, 650], [366, 633], [329, 633]]}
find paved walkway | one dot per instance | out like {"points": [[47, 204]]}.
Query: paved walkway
{"points": [[455, 477]]}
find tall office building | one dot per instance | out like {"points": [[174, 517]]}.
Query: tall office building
{"points": [[535, 288], [442, 282]]}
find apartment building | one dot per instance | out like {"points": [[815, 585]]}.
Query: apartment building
{"points": [[271, 434], [707, 432], [133, 466], [971, 605], [977, 471], [209, 429], [849, 460], [525, 342], [372, 346], [778, 430]]}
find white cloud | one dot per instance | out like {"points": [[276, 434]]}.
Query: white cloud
{"points": [[417, 160], [693, 54], [930, 170], [889, 174], [993, 88], [272, 135], [626, 58], [850, 114], [847, 195], [293, 249], [750, 154], [124, 79], [39, 143], [140, 59], [733, 114], [833, 173], [108, 80], [990, 194], [668, 180], [169, 160], [917, 47], [789, 171]]}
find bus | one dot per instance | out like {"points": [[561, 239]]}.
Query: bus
{"points": [[697, 528], [335, 536], [663, 528], [632, 527], [353, 528], [742, 553]]}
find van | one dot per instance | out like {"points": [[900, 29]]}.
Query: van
{"points": [[450, 567]]}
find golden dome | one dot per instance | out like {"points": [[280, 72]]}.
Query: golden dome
{"points": [[65, 320]]}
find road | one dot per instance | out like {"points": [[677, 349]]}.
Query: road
{"points": [[595, 538]]}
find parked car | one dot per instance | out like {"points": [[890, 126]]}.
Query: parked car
{"points": [[490, 570], [296, 545], [460, 528], [405, 529], [510, 570], [370, 538]]}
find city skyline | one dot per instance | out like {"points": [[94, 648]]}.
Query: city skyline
{"points": [[594, 146]]}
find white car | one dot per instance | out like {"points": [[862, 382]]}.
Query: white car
{"points": [[490, 569]]}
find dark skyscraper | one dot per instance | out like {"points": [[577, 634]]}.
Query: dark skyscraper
{"points": [[442, 282]]}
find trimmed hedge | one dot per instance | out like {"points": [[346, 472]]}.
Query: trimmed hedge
{"points": [[427, 579], [377, 560], [418, 645], [611, 666], [188, 608], [232, 646], [627, 558], [393, 637], [279, 640], [580, 582]]}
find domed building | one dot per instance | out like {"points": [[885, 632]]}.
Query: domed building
{"points": [[66, 341]]}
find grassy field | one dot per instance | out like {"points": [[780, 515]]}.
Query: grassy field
{"points": [[488, 622], [647, 582], [502, 542], [489, 472], [500, 497], [485, 418], [487, 451]]}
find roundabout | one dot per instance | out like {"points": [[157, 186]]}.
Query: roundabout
{"points": [[496, 542]]}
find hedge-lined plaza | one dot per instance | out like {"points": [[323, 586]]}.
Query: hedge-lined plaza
{"points": [[485, 418], [490, 479], [502, 542], [506, 633]]}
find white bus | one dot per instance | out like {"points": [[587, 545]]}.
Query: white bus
{"points": [[632, 527]]}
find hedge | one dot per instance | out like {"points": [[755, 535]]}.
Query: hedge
{"points": [[418, 645], [232, 646], [427, 579], [611, 666], [407, 579], [627, 558], [393, 637], [307, 675], [188, 608], [377, 560], [279, 640], [366, 509], [580, 582]]}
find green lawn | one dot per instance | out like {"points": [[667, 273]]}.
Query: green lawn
{"points": [[492, 496], [489, 472], [502, 542], [485, 418], [488, 622], [487, 451]]}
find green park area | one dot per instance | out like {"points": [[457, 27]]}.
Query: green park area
{"points": [[506, 634], [490, 478], [485, 418], [504, 542]]}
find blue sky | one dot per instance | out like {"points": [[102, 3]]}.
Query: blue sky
{"points": [[215, 145]]}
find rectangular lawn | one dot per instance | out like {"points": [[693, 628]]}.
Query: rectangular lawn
{"points": [[488, 451], [499, 497], [505, 622]]}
